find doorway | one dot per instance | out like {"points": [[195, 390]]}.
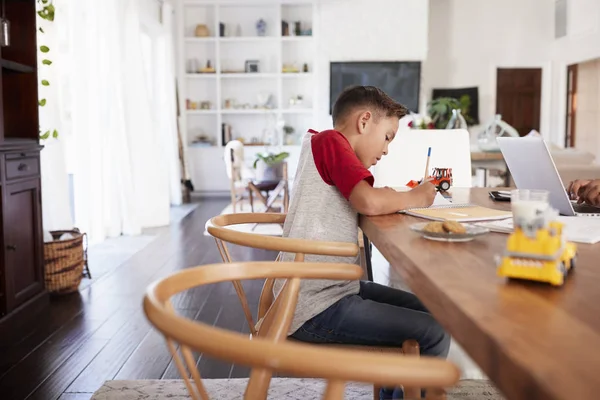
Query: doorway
{"points": [[571, 105], [518, 97]]}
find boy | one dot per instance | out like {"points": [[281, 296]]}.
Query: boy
{"points": [[332, 186]]}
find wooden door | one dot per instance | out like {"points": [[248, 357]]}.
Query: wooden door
{"points": [[571, 105], [518, 97], [22, 242]]}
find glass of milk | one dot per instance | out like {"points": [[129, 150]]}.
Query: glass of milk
{"points": [[529, 207]]}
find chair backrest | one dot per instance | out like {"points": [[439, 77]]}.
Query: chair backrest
{"points": [[407, 156], [273, 353], [220, 228], [234, 159]]}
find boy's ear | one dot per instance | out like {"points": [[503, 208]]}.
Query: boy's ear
{"points": [[363, 121]]}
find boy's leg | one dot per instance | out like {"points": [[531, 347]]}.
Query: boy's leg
{"points": [[389, 295], [363, 321]]}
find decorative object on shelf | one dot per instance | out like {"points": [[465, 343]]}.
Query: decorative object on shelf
{"points": [[297, 28], [285, 28], [296, 100], [202, 31], [252, 66], [486, 139], [205, 105], [4, 28], [203, 140], [208, 69], [305, 67], [290, 138], [261, 27], [289, 68], [221, 29], [192, 66]]}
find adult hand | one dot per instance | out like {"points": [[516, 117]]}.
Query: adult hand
{"points": [[424, 194], [590, 193], [575, 186]]}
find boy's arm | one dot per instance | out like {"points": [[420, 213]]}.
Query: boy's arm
{"points": [[368, 200]]}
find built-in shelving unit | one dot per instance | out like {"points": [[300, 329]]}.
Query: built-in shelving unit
{"points": [[253, 81]]}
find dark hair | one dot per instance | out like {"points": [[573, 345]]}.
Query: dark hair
{"points": [[366, 96]]}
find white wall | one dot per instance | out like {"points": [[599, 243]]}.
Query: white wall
{"points": [[582, 43], [367, 30], [469, 39], [587, 116]]}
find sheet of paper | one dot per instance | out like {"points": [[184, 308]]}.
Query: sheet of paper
{"points": [[440, 200], [577, 229]]}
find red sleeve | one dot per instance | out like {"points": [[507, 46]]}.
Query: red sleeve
{"points": [[337, 163]]}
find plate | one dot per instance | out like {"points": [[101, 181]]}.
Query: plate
{"points": [[472, 232]]}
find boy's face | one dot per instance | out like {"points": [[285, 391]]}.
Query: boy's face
{"points": [[376, 135]]}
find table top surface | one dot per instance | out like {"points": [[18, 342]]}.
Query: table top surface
{"points": [[533, 340]]}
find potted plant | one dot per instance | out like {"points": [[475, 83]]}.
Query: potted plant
{"points": [[269, 166], [440, 110]]}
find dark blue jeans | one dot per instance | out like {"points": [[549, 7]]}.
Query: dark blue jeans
{"points": [[377, 316]]}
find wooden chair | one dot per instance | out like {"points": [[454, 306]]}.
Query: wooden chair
{"points": [[217, 227], [272, 353]]}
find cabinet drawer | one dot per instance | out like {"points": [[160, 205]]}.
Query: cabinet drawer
{"points": [[22, 167]]}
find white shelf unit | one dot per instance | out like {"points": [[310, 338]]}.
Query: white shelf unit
{"points": [[233, 93]]}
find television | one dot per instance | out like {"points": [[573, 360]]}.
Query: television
{"points": [[401, 80]]}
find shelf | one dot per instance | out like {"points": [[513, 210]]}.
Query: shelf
{"points": [[12, 66], [201, 76], [297, 111], [297, 74], [250, 111], [201, 39], [248, 75], [201, 112], [248, 39], [296, 38]]}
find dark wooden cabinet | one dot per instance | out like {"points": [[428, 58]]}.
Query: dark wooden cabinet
{"points": [[22, 243], [22, 292]]}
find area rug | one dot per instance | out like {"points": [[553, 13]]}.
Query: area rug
{"points": [[243, 206], [280, 389]]}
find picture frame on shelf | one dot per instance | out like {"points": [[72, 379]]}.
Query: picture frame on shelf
{"points": [[252, 66]]}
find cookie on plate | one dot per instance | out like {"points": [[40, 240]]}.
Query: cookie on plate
{"points": [[434, 227], [454, 227]]}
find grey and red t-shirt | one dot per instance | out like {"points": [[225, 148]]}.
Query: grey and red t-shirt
{"points": [[328, 170]]}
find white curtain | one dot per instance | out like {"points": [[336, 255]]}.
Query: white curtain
{"points": [[121, 142]]}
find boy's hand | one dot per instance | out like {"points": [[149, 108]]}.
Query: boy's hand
{"points": [[424, 194]]}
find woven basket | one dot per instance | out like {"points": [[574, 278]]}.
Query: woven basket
{"points": [[64, 261]]}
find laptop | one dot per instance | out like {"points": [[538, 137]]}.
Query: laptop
{"points": [[532, 167]]}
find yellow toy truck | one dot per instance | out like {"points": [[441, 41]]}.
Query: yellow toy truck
{"points": [[538, 252]]}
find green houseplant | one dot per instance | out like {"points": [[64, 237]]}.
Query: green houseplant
{"points": [[269, 166], [45, 12], [440, 110]]}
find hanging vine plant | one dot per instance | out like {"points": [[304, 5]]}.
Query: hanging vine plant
{"points": [[46, 12]]}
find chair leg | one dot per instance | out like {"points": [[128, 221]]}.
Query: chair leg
{"points": [[376, 390], [411, 348]]}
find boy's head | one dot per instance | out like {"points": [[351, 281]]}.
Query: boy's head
{"points": [[369, 118]]}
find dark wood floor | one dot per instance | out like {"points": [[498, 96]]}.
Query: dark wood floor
{"points": [[101, 332]]}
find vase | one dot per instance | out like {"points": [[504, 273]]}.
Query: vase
{"points": [[265, 172]]}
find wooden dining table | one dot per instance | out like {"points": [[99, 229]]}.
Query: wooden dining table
{"points": [[533, 340]]}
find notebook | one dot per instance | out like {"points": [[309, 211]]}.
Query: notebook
{"points": [[577, 229], [442, 209]]}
